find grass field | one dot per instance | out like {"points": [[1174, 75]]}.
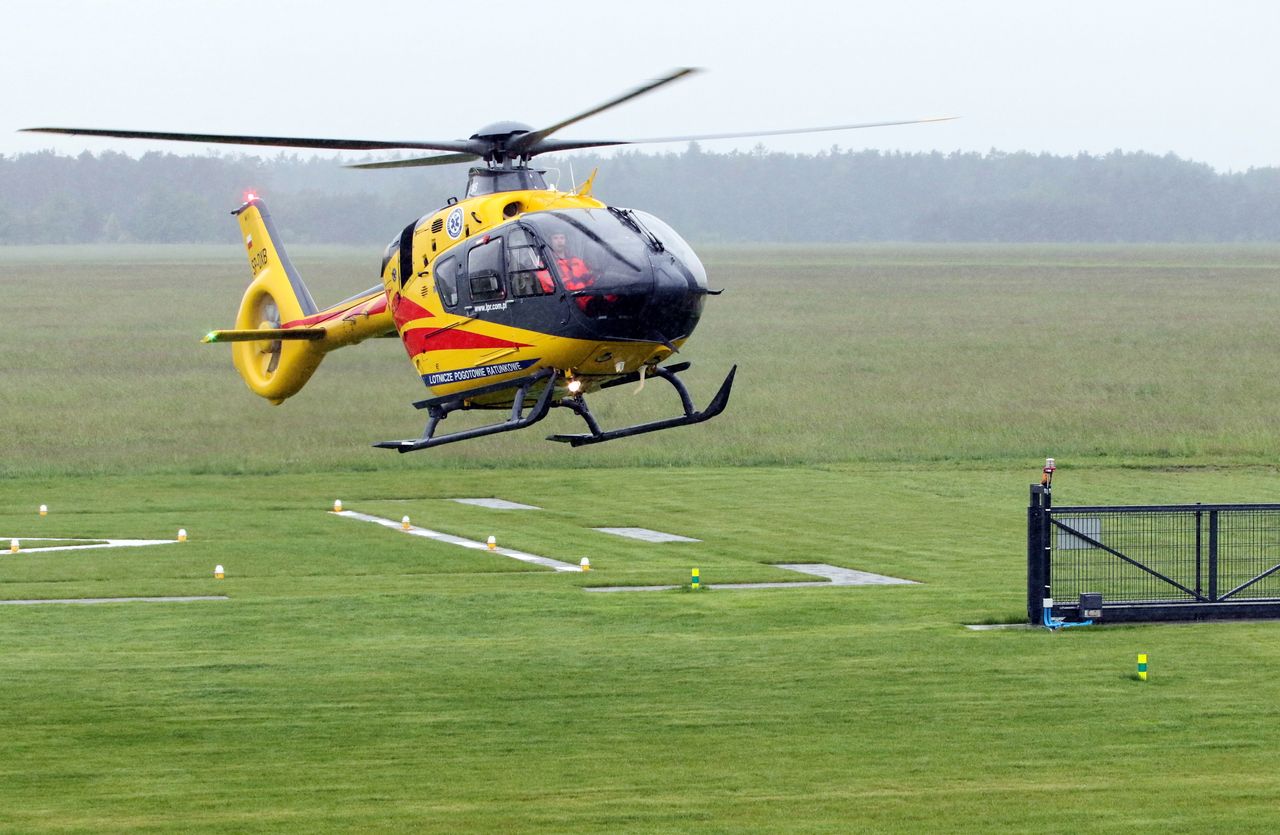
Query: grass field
{"points": [[893, 405]]}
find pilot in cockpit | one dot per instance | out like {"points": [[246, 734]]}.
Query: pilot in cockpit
{"points": [[574, 272]]}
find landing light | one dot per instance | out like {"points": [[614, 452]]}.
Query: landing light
{"points": [[575, 386]]}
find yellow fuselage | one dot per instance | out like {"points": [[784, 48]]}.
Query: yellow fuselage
{"points": [[456, 351]]}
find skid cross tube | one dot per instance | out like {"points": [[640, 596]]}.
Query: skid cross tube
{"points": [[579, 406], [440, 408]]}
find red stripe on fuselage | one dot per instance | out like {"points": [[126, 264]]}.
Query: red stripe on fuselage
{"points": [[407, 311], [372, 307], [419, 340]]}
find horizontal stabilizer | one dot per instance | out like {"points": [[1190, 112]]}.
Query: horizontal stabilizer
{"points": [[264, 335]]}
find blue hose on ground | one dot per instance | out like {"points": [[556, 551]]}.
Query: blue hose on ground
{"points": [[1051, 622]]}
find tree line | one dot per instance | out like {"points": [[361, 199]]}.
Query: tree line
{"points": [[832, 196]]}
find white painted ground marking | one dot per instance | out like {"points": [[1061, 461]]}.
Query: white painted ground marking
{"points": [[845, 576], [646, 535], [838, 577], [457, 540], [77, 600], [93, 543], [497, 504]]}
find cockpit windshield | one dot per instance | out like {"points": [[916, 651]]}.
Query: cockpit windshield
{"points": [[611, 261], [604, 264], [608, 273], [672, 243]]}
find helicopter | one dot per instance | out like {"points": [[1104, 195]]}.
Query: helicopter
{"points": [[517, 298]]}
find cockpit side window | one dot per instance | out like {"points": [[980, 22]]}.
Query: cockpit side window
{"points": [[527, 267], [447, 280], [484, 271]]}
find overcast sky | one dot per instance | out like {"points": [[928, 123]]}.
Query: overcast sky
{"points": [[1194, 78]]}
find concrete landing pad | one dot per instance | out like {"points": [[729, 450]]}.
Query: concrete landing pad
{"points": [[84, 600], [984, 627], [457, 540], [496, 504], [835, 575], [646, 535]]}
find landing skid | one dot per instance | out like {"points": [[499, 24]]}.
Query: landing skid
{"points": [[579, 406], [438, 408]]}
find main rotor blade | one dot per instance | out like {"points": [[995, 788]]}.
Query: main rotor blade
{"points": [[445, 159], [529, 142], [463, 145], [553, 145]]}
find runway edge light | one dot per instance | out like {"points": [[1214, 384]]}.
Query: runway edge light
{"points": [[585, 565], [13, 546], [404, 524], [182, 534], [491, 543], [337, 505], [44, 510], [218, 573]]}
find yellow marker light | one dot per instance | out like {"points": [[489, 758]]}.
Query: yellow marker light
{"points": [[44, 510], [13, 546], [218, 573], [404, 524], [492, 543], [585, 564], [337, 505], [182, 534]]}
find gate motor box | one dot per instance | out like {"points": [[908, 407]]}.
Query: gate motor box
{"points": [[1091, 605]]}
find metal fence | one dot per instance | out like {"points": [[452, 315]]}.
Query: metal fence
{"points": [[1164, 562]]}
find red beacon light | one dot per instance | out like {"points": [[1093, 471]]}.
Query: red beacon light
{"points": [[250, 196], [1049, 467]]}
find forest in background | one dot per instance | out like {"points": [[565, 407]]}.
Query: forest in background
{"points": [[757, 196]]}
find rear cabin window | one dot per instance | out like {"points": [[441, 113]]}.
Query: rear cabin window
{"points": [[447, 281], [484, 271]]}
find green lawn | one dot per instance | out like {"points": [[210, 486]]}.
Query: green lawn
{"points": [[359, 678]]}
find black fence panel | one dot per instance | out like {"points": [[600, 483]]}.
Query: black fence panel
{"points": [[1154, 562]]}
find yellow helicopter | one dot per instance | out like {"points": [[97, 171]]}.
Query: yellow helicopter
{"points": [[518, 297]]}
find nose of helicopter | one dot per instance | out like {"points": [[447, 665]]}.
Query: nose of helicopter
{"points": [[663, 308], [676, 304]]}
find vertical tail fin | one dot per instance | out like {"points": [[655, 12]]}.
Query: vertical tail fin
{"points": [[274, 369], [269, 262]]}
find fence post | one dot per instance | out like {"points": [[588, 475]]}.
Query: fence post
{"points": [[1213, 556], [1038, 551], [1199, 551]]}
